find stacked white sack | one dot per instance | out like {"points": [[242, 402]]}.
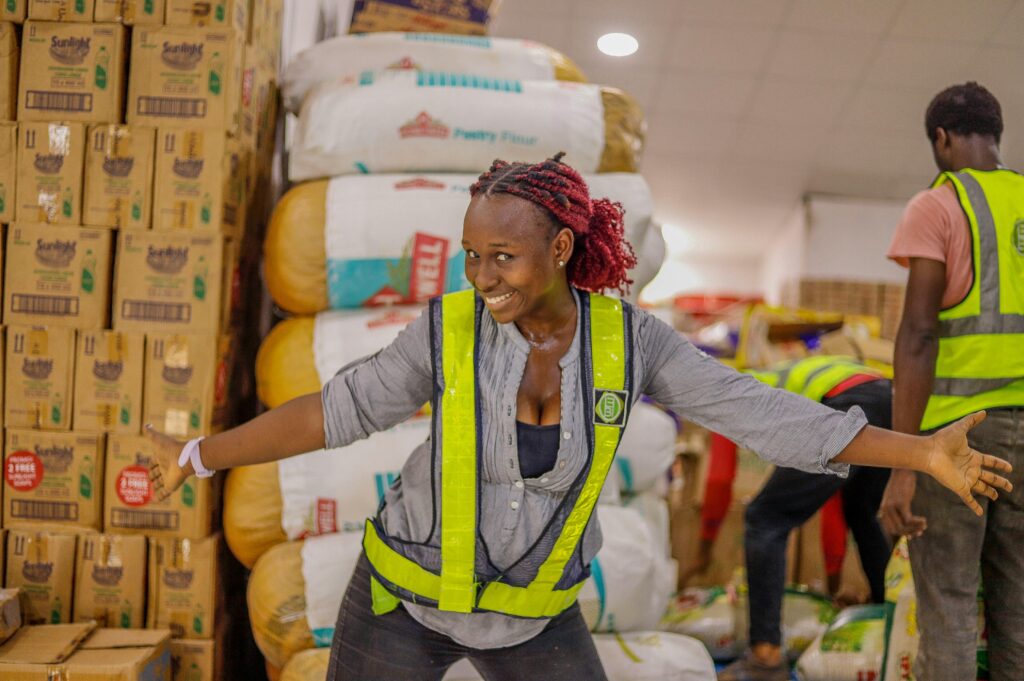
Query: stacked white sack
{"points": [[408, 121], [375, 239], [850, 649], [349, 56]]}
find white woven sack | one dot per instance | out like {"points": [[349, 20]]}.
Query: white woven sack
{"points": [[349, 56], [402, 121]]}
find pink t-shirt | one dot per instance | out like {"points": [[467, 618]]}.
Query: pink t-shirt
{"points": [[934, 226]]}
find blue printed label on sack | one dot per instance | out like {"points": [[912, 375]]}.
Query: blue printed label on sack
{"points": [[371, 282]]}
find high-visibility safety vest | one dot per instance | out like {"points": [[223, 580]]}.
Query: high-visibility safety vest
{"points": [[980, 364], [452, 571], [813, 377]]}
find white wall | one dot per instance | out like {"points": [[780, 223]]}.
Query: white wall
{"points": [[847, 239], [703, 274], [783, 261]]}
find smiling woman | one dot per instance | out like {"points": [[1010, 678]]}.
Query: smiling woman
{"points": [[480, 547]]}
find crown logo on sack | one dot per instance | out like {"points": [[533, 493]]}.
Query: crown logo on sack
{"points": [[118, 167], [38, 368], [56, 459], [177, 375], [424, 126], [107, 371], [70, 51], [56, 253], [37, 573], [107, 575], [182, 56], [49, 164], [178, 579], [167, 260], [419, 183], [189, 168]]}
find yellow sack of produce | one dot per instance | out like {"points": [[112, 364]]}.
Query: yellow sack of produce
{"points": [[420, 121], [367, 240], [350, 56], [309, 665], [290, 583], [296, 357]]}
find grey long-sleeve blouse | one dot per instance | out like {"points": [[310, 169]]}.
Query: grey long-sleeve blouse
{"points": [[390, 386]]}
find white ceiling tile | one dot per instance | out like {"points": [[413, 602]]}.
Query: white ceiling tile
{"points": [[645, 10], [810, 104], [701, 139], [921, 65], [733, 12], [860, 16], [1011, 28], [641, 84], [549, 29], [893, 110], [684, 91], [720, 49], [950, 19], [778, 146], [821, 55]]}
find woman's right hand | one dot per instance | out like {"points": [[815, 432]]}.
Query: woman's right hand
{"points": [[164, 472]]}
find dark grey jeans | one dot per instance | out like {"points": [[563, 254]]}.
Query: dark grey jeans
{"points": [[395, 647], [955, 550]]}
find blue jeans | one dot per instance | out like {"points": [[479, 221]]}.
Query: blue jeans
{"points": [[395, 647], [791, 497], [959, 547]]}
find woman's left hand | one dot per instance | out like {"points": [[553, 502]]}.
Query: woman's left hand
{"points": [[963, 470]]}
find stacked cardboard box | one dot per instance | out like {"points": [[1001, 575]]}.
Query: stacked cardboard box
{"points": [[882, 300], [135, 147]]}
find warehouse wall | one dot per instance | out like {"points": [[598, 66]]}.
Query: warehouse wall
{"points": [[704, 274], [847, 239], [836, 238]]}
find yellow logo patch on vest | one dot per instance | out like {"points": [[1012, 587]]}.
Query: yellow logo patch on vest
{"points": [[1018, 236], [610, 406]]}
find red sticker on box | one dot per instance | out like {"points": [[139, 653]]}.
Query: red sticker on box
{"points": [[133, 486], [23, 470]]}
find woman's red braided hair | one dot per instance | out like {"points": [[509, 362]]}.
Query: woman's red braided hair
{"points": [[601, 257]]}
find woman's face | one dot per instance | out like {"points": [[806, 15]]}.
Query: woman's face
{"points": [[511, 257]]}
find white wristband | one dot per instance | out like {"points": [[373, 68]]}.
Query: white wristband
{"points": [[190, 452]]}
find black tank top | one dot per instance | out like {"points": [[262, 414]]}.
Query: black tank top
{"points": [[538, 448]]}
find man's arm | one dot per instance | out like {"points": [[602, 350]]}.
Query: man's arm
{"points": [[917, 346]]}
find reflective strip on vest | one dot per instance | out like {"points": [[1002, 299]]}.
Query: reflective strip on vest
{"points": [[813, 377], [449, 590], [539, 598], [458, 453], [980, 364]]}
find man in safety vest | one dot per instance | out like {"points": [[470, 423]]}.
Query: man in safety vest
{"points": [[790, 497], [960, 349]]}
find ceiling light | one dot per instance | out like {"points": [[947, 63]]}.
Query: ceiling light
{"points": [[617, 44]]}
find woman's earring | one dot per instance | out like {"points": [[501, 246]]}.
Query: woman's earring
{"points": [[561, 263]]}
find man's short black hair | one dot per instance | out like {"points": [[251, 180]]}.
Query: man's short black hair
{"points": [[965, 109]]}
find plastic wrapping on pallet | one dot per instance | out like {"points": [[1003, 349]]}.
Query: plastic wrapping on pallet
{"points": [[350, 56], [850, 649], [425, 121], [369, 240]]}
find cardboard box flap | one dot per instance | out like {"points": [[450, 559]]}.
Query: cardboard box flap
{"points": [[107, 639], [44, 644], [114, 660]]}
